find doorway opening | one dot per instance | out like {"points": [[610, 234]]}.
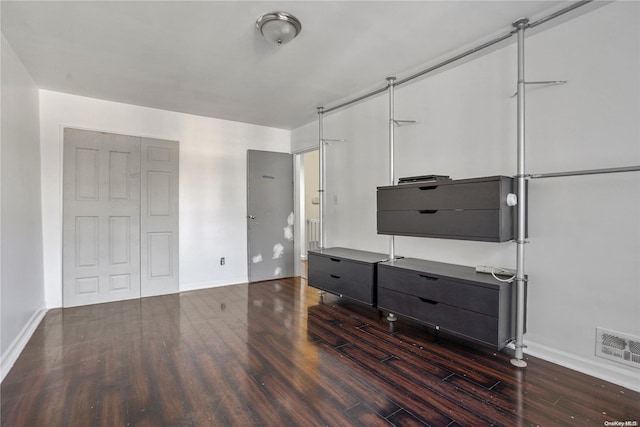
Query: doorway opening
{"points": [[308, 205]]}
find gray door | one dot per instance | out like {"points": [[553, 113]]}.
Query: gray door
{"points": [[159, 213], [101, 244], [270, 215]]}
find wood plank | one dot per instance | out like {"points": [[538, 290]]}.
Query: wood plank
{"points": [[276, 353], [452, 393], [397, 395], [410, 388], [366, 416]]}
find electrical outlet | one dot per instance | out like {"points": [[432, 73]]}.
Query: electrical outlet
{"points": [[222, 261]]}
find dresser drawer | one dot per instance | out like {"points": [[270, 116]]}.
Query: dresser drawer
{"points": [[465, 323], [361, 289], [442, 196], [440, 289], [485, 225], [339, 266], [345, 272]]}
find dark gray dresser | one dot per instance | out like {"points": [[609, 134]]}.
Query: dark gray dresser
{"points": [[469, 209], [449, 297], [345, 272]]}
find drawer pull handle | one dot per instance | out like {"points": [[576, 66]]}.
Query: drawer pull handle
{"points": [[433, 279], [335, 259], [334, 276], [430, 187], [428, 301], [428, 212]]}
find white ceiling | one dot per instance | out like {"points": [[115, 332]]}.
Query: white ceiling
{"points": [[206, 57]]}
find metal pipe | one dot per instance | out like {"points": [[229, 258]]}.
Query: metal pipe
{"points": [[521, 25], [358, 99], [392, 172], [458, 57], [391, 317], [559, 13], [586, 172], [321, 190], [421, 73]]}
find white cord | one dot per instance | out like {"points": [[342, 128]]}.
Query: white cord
{"points": [[509, 280]]}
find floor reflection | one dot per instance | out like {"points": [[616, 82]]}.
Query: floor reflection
{"points": [[279, 353]]}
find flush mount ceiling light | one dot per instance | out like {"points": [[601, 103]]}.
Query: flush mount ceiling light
{"points": [[278, 27]]}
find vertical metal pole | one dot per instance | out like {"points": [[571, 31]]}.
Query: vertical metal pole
{"points": [[391, 317], [392, 172], [521, 25], [322, 175]]}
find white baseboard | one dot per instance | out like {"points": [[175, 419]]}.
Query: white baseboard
{"points": [[625, 377], [13, 352], [184, 287]]}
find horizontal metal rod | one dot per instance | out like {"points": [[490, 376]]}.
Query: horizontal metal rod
{"points": [[404, 122], [421, 73], [358, 99], [559, 13], [458, 57], [547, 82], [585, 172]]}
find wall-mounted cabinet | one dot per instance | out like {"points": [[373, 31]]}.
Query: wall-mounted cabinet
{"points": [[467, 209]]}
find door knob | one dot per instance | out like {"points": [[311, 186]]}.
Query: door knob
{"points": [[251, 216]]}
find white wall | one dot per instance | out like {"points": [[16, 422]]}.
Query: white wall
{"points": [[22, 289], [583, 261], [212, 182]]}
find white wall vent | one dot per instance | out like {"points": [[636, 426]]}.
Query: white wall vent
{"points": [[617, 346]]}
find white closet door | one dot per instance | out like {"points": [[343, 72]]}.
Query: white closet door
{"points": [[101, 246], [159, 211]]}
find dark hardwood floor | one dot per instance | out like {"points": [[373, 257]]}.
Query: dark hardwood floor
{"points": [[277, 354]]}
